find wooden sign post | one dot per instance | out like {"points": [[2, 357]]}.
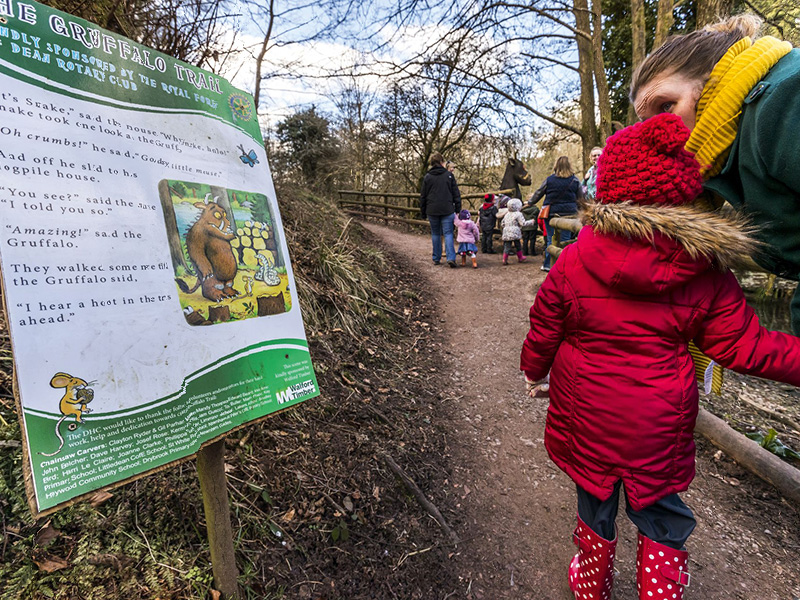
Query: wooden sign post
{"points": [[214, 487]]}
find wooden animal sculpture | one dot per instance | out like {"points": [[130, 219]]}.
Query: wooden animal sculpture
{"points": [[516, 175], [208, 242]]}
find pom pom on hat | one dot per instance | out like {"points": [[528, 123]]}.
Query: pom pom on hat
{"points": [[647, 164], [488, 198]]}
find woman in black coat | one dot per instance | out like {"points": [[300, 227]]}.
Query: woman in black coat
{"points": [[439, 201]]}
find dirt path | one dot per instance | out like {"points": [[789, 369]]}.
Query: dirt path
{"points": [[518, 508]]}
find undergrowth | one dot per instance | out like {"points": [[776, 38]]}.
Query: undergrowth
{"points": [[336, 272], [147, 538]]}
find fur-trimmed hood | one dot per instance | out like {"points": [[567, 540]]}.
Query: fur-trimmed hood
{"points": [[651, 248]]}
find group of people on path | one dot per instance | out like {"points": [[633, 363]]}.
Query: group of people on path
{"points": [[518, 226], [440, 204], [650, 272]]}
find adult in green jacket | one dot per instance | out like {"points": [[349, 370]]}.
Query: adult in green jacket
{"points": [[742, 101]]}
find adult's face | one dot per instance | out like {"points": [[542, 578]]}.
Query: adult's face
{"points": [[670, 93], [594, 157]]}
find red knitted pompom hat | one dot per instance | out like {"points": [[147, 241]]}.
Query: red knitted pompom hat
{"points": [[647, 164]]}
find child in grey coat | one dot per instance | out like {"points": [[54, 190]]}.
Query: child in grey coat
{"points": [[513, 223]]}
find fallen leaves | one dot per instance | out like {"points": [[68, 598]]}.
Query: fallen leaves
{"points": [[348, 504], [46, 535], [109, 560], [288, 516], [49, 562]]}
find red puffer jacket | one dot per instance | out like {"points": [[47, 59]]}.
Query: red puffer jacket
{"points": [[612, 323]]}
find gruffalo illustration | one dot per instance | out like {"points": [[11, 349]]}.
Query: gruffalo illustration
{"points": [[208, 242]]}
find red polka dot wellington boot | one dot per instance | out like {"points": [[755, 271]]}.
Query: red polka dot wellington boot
{"points": [[660, 571], [591, 572]]}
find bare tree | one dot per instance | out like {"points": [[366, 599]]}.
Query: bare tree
{"points": [[586, 74], [195, 31], [436, 109], [603, 97], [553, 45], [356, 129], [291, 23], [710, 11], [270, 10], [638, 43]]}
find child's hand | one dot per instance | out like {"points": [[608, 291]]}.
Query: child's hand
{"points": [[538, 389]]}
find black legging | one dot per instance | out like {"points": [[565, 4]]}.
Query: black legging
{"points": [[668, 521], [486, 241]]}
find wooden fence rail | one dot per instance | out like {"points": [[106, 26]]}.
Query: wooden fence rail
{"points": [[407, 209]]}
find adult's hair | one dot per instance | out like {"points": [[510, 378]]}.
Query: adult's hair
{"points": [[595, 148], [562, 167], [694, 55], [436, 159]]}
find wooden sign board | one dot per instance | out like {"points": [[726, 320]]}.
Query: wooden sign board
{"points": [[147, 283]]}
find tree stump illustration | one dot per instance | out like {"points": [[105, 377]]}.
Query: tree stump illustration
{"points": [[219, 313], [194, 317], [271, 305]]}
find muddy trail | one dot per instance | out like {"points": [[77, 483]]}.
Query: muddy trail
{"points": [[516, 510]]}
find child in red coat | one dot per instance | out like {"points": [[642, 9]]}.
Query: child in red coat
{"points": [[612, 324]]}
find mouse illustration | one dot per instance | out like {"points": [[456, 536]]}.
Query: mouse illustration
{"points": [[248, 285], [74, 403]]}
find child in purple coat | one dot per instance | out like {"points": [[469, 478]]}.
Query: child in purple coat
{"points": [[468, 237]]}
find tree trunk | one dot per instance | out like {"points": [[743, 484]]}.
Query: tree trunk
{"points": [[586, 71], [664, 21], [603, 99], [173, 237], [262, 52], [751, 456], [638, 44], [271, 305], [711, 11]]}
